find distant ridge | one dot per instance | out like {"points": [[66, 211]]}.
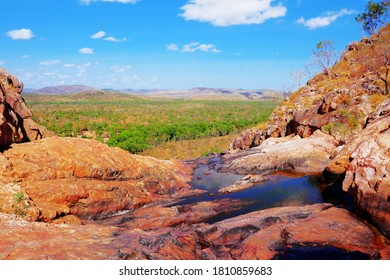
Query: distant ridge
{"points": [[205, 92], [194, 93], [60, 90]]}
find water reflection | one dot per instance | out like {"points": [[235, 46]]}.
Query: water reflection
{"points": [[278, 191]]}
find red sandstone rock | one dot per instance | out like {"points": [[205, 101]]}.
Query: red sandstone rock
{"points": [[259, 235], [154, 217], [266, 233], [88, 179]]}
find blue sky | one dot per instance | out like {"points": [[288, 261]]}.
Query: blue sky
{"points": [[180, 44]]}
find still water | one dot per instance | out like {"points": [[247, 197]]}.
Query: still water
{"points": [[277, 191]]}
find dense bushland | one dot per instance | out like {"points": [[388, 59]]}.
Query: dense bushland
{"points": [[136, 124]]}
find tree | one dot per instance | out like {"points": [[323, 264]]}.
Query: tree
{"points": [[298, 76], [376, 58], [325, 56], [374, 16], [286, 90]]}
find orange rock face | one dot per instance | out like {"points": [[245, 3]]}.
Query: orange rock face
{"points": [[66, 176]]}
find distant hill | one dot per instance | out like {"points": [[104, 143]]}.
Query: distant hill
{"points": [[60, 90], [208, 93], [194, 93]]}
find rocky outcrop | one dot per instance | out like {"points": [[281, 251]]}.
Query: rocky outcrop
{"points": [[268, 234], [16, 124], [351, 107], [56, 177], [368, 180], [364, 163]]}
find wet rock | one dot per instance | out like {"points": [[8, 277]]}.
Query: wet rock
{"points": [[245, 183]]}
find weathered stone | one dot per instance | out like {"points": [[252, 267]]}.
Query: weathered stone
{"points": [[246, 140], [368, 180], [308, 155]]}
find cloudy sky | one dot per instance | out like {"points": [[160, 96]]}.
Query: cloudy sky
{"points": [[169, 44]]}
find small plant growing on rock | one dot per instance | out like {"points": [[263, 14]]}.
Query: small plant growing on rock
{"points": [[20, 207], [19, 197]]}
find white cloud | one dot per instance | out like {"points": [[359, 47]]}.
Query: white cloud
{"points": [[121, 69], [20, 34], [83, 69], [26, 56], [136, 78], [63, 76], [50, 62], [69, 65], [87, 2], [98, 35], [324, 20], [195, 46], [172, 48], [86, 51], [113, 39], [207, 48], [192, 47], [102, 34], [232, 12]]}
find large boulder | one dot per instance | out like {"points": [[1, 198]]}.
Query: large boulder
{"points": [[67, 176]]}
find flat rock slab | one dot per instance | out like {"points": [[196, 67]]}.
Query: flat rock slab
{"points": [[300, 155]]}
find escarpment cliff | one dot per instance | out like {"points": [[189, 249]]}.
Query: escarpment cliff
{"points": [[16, 124], [346, 116]]}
